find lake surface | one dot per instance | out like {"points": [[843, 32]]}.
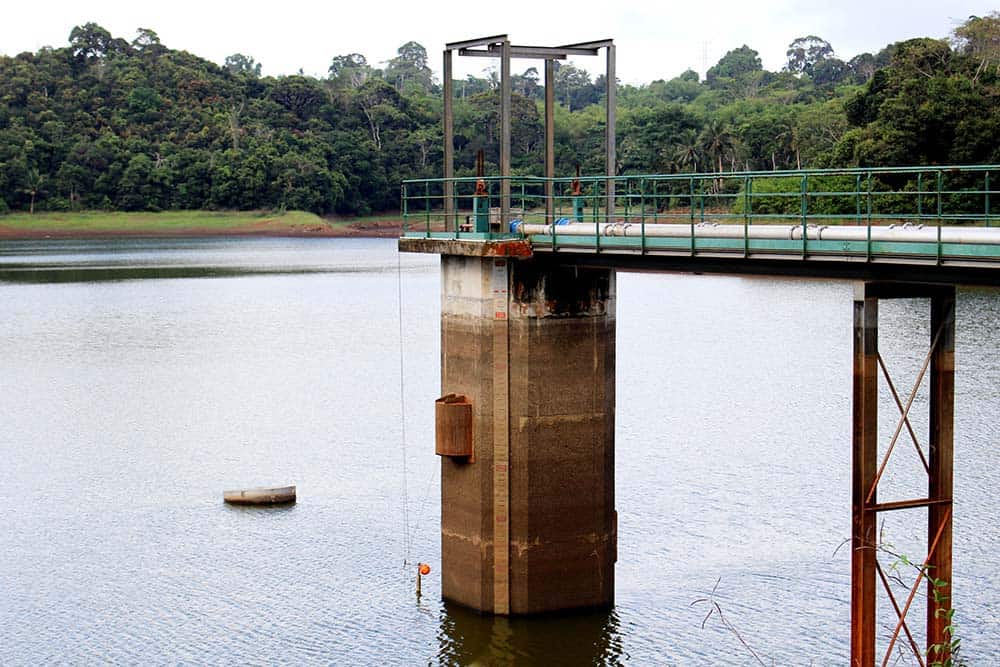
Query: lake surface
{"points": [[138, 379]]}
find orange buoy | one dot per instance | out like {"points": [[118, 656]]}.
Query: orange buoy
{"points": [[425, 568]]}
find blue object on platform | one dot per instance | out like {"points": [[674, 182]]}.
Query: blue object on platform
{"points": [[563, 221], [514, 224]]}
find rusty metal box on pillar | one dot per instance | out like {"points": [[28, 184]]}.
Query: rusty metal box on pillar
{"points": [[453, 426]]}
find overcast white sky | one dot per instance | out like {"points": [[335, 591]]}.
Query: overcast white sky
{"points": [[655, 38]]}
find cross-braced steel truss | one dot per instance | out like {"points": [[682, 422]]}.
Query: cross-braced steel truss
{"points": [[868, 469]]}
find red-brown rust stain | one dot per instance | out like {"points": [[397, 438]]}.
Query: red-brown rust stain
{"points": [[509, 249], [513, 248]]}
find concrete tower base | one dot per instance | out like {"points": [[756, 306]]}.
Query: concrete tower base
{"points": [[532, 345]]}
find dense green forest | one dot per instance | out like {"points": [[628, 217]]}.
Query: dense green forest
{"points": [[105, 123]]}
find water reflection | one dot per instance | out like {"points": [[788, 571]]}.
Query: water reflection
{"points": [[141, 259], [69, 274], [587, 638]]}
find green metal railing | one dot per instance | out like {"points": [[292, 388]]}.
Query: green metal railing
{"points": [[939, 196]]}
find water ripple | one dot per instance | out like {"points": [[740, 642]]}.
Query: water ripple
{"points": [[128, 406]]}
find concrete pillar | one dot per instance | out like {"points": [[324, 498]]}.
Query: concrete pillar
{"points": [[556, 495]]}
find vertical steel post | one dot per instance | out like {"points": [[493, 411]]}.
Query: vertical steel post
{"points": [[939, 220], [609, 137], [449, 145], [550, 140], [868, 238], [987, 183], [940, 479], [857, 199], [691, 200], [863, 470], [940, 208], [427, 207], [805, 214], [701, 192], [628, 197], [746, 215], [405, 209], [642, 211], [504, 134], [920, 197], [656, 202]]}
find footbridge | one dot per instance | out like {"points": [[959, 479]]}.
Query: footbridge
{"points": [[526, 423], [937, 224]]}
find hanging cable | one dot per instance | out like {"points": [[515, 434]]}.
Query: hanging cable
{"points": [[422, 503], [402, 410]]}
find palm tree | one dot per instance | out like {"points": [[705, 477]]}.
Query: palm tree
{"points": [[687, 151], [33, 185], [717, 143], [788, 138]]}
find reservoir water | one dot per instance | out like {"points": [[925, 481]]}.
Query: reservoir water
{"points": [[140, 378]]}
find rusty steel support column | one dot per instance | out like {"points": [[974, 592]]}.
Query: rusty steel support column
{"points": [[941, 474], [864, 466], [449, 143], [550, 140]]}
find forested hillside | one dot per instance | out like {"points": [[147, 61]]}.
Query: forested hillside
{"points": [[105, 123]]}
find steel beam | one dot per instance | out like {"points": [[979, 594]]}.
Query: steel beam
{"points": [[596, 44], [449, 143], [910, 504], [550, 146], [521, 52], [479, 41], [505, 117], [609, 136], [832, 268], [530, 52], [863, 469], [560, 52]]}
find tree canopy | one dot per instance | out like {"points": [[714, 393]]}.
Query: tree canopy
{"points": [[108, 123]]}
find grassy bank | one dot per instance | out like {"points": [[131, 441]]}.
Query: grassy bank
{"points": [[89, 224], [168, 222]]}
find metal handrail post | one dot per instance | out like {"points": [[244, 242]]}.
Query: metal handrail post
{"points": [[747, 184], [940, 210], [868, 243], [920, 197], [987, 188], [804, 213]]}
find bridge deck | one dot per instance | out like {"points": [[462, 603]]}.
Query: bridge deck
{"points": [[926, 224], [911, 261]]}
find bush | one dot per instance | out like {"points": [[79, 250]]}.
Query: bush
{"points": [[782, 195]]}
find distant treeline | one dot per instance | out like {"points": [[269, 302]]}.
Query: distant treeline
{"points": [[104, 123]]}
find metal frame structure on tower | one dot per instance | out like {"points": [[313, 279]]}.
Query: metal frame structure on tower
{"points": [[499, 46]]}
